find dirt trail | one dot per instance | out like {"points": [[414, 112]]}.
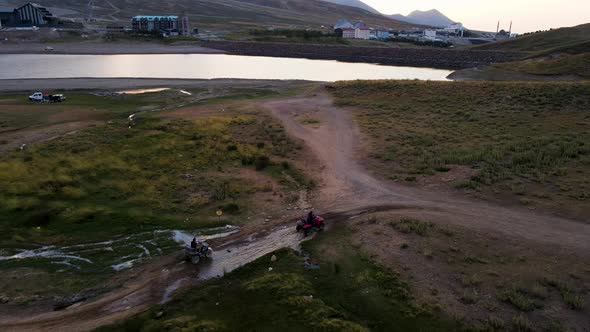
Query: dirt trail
{"points": [[348, 185]]}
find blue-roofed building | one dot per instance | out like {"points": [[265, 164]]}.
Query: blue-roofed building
{"points": [[155, 23]]}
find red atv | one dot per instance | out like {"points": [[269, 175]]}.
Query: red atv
{"points": [[316, 225]]}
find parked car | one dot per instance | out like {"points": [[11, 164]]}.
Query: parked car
{"points": [[40, 97], [48, 49]]}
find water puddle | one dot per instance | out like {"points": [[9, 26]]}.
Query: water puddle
{"points": [[118, 254], [233, 257], [142, 91]]}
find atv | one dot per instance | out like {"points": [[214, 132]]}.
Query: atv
{"points": [[316, 225], [194, 255]]}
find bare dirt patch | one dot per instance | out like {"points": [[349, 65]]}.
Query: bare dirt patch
{"points": [[480, 278]]}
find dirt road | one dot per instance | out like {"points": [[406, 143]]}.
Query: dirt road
{"points": [[348, 185]]}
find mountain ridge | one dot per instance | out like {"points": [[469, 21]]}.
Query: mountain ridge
{"points": [[355, 3], [431, 17], [229, 15]]}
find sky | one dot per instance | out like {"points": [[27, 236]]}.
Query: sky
{"points": [[527, 15]]}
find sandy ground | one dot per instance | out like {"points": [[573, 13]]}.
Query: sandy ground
{"points": [[113, 84], [92, 47]]}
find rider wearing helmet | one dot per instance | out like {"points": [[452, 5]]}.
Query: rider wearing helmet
{"points": [[310, 217]]}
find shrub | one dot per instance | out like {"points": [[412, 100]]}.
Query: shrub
{"points": [[521, 323], [518, 299], [495, 323], [231, 208], [409, 225], [261, 162]]}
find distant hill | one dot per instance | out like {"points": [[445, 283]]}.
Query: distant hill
{"points": [[355, 3], [430, 17], [572, 39], [231, 15]]}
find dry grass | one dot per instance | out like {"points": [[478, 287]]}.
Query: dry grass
{"points": [[517, 139]]}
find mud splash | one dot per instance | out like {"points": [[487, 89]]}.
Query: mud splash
{"points": [[229, 257], [232, 257]]}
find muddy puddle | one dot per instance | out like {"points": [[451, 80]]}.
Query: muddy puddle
{"points": [[142, 91], [118, 254], [229, 257]]}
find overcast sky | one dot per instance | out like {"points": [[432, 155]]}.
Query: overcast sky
{"points": [[527, 15]]}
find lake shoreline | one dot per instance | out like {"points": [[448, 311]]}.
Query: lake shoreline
{"points": [[82, 83], [451, 59], [104, 48]]}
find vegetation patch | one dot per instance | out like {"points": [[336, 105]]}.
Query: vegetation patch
{"points": [[516, 138], [519, 298], [409, 225]]}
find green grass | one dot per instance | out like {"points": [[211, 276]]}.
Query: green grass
{"points": [[348, 292], [532, 137], [519, 298], [113, 180], [409, 225], [574, 65]]}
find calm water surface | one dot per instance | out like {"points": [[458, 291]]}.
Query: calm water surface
{"points": [[201, 66]]}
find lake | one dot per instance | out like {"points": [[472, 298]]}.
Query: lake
{"points": [[201, 66]]}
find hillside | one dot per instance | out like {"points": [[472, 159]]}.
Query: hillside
{"points": [[430, 17], [543, 41], [355, 3], [560, 54], [227, 14]]}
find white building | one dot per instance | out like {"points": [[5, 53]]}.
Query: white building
{"points": [[348, 33], [429, 34], [456, 29], [362, 33]]}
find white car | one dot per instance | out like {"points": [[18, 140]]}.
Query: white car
{"points": [[37, 96]]}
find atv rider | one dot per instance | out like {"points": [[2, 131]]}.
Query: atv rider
{"points": [[310, 217], [197, 245]]}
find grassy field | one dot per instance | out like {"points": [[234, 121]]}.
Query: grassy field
{"points": [[572, 65], [518, 142], [341, 290], [487, 283], [556, 54], [64, 196]]}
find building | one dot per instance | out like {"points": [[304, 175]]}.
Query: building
{"points": [[33, 14], [456, 29], [155, 23], [380, 34], [348, 33], [184, 26], [8, 16], [362, 33], [430, 34]]}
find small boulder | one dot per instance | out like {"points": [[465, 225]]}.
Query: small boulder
{"points": [[273, 258]]}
